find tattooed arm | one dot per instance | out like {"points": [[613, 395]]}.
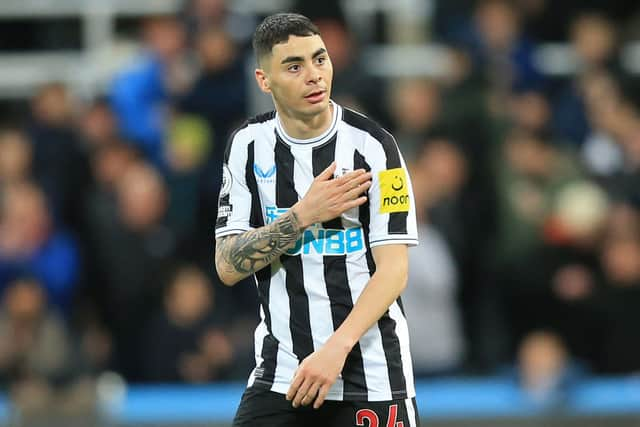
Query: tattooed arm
{"points": [[240, 255], [243, 254]]}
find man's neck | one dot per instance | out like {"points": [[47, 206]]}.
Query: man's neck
{"points": [[306, 128]]}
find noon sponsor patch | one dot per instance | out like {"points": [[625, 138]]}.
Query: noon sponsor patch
{"points": [[394, 191]]}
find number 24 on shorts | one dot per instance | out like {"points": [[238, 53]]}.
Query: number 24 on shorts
{"points": [[374, 421]]}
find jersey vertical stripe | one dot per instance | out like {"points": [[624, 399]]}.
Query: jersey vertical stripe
{"points": [[286, 197], [308, 292], [337, 285]]}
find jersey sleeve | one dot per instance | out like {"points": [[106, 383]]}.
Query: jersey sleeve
{"points": [[392, 208], [234, 201]]}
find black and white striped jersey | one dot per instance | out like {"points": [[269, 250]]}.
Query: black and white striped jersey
{"points": [[308, 292]]}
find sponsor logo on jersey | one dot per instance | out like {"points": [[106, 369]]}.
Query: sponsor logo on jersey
{"points": [[264, 175], [394, 191], [322, 241], [224, 211]]}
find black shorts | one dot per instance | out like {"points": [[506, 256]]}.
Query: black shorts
{"points": [[263, 408]]}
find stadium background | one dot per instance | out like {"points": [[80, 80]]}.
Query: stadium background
{"points": [[520, 123]]}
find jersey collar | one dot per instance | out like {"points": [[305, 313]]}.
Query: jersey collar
{"points": [[318, 140]]}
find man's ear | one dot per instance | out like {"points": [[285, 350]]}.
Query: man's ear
{"points": [[263, 80]]}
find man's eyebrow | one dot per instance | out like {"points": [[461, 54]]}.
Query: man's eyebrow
{"points": [[292, 59], [301, 59], [319, 52]]}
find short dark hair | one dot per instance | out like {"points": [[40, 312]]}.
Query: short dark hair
{"points": [[275, 29]]}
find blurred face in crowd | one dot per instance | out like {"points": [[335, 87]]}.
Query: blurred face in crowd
{"points": [[53, 105], [98, 125], [110, 162], [298, 74], [15, 161], [498, 23], [438, 172], [211, 10], [445, 165], [622, 221], [216, 49], [593, 37], [542, 357], [529, 156], [415, 104], [25, 222], [621, 261], [141, 197], [24, 301], [189, 297], [164, 36], [530, 110]]}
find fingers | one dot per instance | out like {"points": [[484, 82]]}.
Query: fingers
{"points": [[295, 384], [354, 203], [311, 394], [302, 392], [358, 174], [322, 394], [357, 190], [327, 173]]}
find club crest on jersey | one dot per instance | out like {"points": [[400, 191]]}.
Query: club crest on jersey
{"points": [[394, 191], [264, 175], [322, 241]]}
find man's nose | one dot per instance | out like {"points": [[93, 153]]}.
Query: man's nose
{"points": [[314, 76]]}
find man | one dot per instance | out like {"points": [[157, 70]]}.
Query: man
{"points": [[315, 203]]}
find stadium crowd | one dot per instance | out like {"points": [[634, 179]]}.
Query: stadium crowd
{"points": [[527, 188]]}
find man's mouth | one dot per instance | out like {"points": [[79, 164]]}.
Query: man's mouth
{"points": [[315, 96]]}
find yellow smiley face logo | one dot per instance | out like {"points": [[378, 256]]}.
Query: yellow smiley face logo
{"points": [[394, 194], [398, 183]]}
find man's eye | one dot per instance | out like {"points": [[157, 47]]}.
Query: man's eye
{"points": [[294, 68], [321, 60]]}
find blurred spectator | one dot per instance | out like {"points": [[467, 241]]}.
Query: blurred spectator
{"points": [[109, 163], [415, 109], [16, 159], [184, 341], [219, 93], [430, 300], [188, 147], [202, 14], [501, 50], [141, 93], [530, 110], [98, 125], [37, 358], [553, 284], [30, 244], [544, 369], [533, 172], [602, 99], [617, 304], [133, 247], [59, 164], [593, 39]]}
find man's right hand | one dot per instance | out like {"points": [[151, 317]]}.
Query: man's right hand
{"points": [[328, 198]]}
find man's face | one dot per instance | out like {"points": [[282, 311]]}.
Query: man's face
{"points": [[298, 74]]}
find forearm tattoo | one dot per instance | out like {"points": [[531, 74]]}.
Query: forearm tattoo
{"points": [[252, 250]]}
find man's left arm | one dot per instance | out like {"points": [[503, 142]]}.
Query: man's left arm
{"points": [[317, 373]]}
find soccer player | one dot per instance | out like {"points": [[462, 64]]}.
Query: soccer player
{"points": [[316, 204]]}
